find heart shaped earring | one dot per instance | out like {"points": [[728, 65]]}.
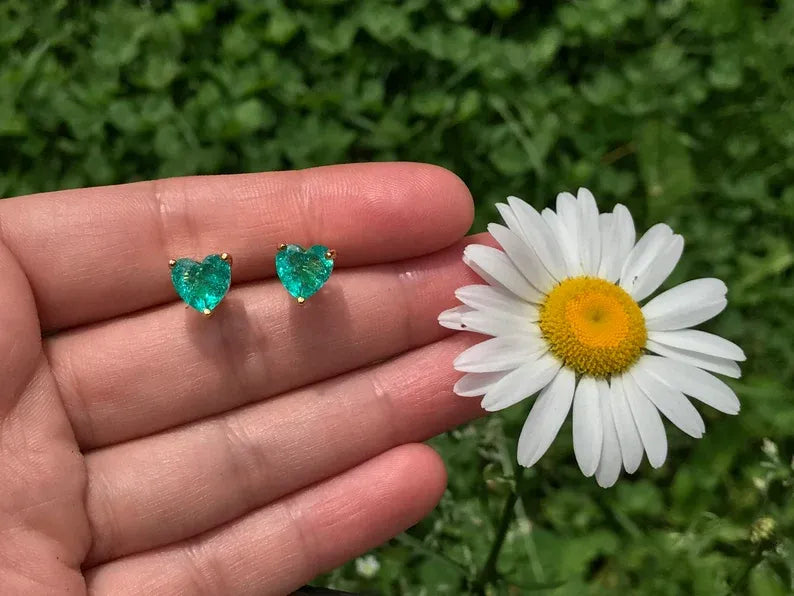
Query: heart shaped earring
{"points": [[202, 285], [302, 272]]}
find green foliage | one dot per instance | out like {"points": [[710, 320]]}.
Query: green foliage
{"points": [[681, 109]]}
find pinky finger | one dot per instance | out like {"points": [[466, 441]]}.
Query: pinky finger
{"points": [[285, 544]]}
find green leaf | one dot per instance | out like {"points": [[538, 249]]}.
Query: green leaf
{"points": [[249, 116], [665, 167], [385, 23], [504, 9]]}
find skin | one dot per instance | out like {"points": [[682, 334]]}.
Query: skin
{"points": [[146, 449]]}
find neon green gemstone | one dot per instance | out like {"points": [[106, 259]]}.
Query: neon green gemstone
{"points": [[202, 285], [303, 272]]}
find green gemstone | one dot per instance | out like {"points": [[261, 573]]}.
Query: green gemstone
{"points": [[303, 272], [202, 285]]}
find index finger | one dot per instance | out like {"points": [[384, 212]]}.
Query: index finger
{"points": [[97, 253]]}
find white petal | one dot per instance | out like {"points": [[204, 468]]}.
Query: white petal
{"points": [[588, 431], [659, 270], [491, 322], [475, 384], [523, 256], [610, 462], [670, 402], [468, 261], [540, 237], [682, 318], [521, 383], [566, 210], [568, 250], [685, 305], [606, 225], [509, 217], [453, 318], [567, 231], [546, 418], [482, 297], [628, 435], [649, 423], [499, 353], [721, 366], [694, 382], [589, 232], [699, 341], [495, 266], [623, 228], [649, 247]]}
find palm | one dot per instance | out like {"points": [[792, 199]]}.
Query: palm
{"points": [[145, 448]]}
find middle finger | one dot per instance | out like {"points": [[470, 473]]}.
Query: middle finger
{"points": [[147, 372]]}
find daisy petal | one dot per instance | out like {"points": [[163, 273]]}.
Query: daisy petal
{"points": [[499, 353], [685, 305], [588, 430], [628, 435], [589, 232], [546, 418], [567, 245], [523, 256], [647, 249], [474, 266], [521, 383], [565, 226], [496, 267], [484, 297], [606, 224], [670, 402], [491, 322], [699, 341], [649, 423], [623, 240], [540, 237], [476, 384], [659, 270], [453, 318], [694, 382], [510, 219], [610, 462], [721, 366]]}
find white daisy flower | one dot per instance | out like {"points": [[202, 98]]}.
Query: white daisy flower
{"points": [[367, 566], [562, 305]]}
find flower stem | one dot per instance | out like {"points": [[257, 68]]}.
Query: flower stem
{"points": [[488, 571]]}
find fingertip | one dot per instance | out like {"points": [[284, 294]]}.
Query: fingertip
{"points": [[424, 468], [454, 198], [420, 208]]}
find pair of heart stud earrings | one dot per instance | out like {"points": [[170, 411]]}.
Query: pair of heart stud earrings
{"points": [[202, 285]]}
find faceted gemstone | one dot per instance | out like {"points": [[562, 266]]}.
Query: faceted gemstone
{"points": [[202, 285], [303, 272]]}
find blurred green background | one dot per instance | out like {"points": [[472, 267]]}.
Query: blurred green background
{"points": [[681, 109]]}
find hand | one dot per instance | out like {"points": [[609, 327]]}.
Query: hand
{"points": [[145, 449]]}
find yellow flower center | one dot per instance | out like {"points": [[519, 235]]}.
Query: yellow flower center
{"points": [[593, 326]]}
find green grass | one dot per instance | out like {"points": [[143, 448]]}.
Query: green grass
{"points": [[681, 109]]}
